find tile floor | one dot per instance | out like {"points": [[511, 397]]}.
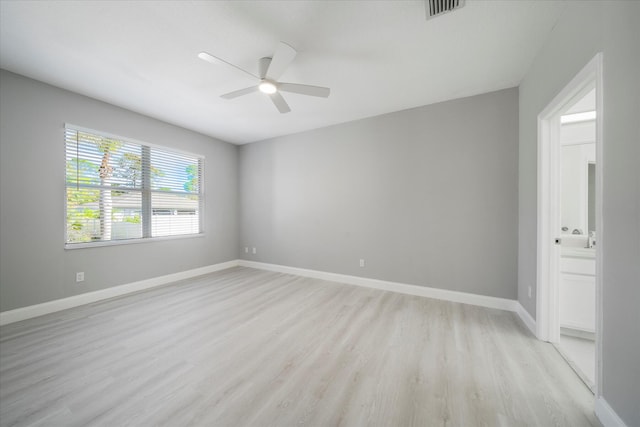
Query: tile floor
{"points": [[581, 354]]}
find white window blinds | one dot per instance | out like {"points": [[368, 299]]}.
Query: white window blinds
{"points": [[117, 189]]}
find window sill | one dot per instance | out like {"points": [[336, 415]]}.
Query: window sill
{"points": [[73, 246]]}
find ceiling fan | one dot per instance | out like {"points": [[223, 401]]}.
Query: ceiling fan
{"points": [[270, 70]]}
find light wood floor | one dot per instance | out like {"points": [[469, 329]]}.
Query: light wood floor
{"points": [[248, 347]]}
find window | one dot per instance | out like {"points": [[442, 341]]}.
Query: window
{"points": [[118, 189]]}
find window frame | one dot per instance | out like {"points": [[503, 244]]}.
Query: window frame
{"points": [[149, 208]]}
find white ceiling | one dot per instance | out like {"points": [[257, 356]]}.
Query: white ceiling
{"points": [[376, 56]]}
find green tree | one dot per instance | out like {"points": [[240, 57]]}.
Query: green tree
{"points": [[192, 175], [108, 147], [130, 169], [80, 171]]}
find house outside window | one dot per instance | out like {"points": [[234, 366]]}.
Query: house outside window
{"points": [[120, 190]]}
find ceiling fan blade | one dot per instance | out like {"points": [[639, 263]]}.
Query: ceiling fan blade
{"points": [[280, 61], [320, 91], [237, 93], [215, 60], [279, 102]]}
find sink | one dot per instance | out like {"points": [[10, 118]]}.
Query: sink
{"points": [[574, 240]]}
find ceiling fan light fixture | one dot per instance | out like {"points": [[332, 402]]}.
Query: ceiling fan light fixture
{"points": [[270, 70], [267, 87]]}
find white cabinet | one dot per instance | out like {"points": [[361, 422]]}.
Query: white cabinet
{"points": [[578, 293], [578, 265]]}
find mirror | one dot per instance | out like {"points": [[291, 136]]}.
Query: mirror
{"points": [[578, 177], [591, 188]]}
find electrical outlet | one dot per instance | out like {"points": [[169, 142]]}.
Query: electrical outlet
{"points": [[253, 250], [361, 263], [529, 291], [246, 250], [80, 276]]}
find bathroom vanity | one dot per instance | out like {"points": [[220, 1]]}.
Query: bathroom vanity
{"points": [[578, 289]]}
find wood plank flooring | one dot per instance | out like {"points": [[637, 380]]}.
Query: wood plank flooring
{"points": [[244, 347]]}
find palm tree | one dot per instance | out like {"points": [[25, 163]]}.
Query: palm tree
{"points": [[107, 147]]}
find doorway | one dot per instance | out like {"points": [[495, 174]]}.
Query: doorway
{"points": [[569, 240]]}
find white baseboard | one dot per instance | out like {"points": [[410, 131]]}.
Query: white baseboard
{"points": [[403, 288], [526, 319], [607, 415], [31, 311]]}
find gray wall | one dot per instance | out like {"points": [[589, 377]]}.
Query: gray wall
{"points": [[426, 196], [34, 266], [585, 29]]}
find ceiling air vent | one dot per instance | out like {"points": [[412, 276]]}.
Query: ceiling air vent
{"points": [[438, 7]]}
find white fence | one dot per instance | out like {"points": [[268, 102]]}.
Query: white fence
{"points": [[161, 225]]}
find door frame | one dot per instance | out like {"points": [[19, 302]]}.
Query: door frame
{"points": [[548, 220]]}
